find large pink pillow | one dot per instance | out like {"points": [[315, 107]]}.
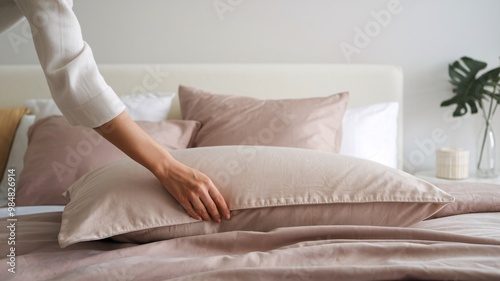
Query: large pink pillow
{"points": [[265, 188], [58, 154], [313, 123]]}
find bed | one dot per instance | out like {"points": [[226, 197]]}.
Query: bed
{"points": [[308, 156]]}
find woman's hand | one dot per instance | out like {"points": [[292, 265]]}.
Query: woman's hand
{"points": [[194, 191], [191, 188]]}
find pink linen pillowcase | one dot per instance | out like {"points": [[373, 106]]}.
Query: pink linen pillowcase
{"points": [[265, 188], [312, 123], [58, 154]]}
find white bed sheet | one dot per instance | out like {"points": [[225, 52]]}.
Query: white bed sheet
{"points": [[28, 210]]}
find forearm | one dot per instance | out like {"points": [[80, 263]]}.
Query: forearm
{"points": [[126, 135]]}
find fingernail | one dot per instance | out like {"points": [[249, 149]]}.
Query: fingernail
{"points": [[228, 216], [198, 218]]}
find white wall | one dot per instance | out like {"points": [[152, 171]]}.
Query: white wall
{"points": [[422, 36]]}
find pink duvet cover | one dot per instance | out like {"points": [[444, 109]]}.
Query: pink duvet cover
{"points": [[461, 243]]}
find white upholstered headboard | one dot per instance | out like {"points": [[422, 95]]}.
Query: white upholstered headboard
{"points": [[366, 84]]}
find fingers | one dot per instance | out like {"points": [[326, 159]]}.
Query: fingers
{"points": [[193, 207], [203, 202], [201, 209], [210, 205], [197, 194], [219, 202], [189, 209]]}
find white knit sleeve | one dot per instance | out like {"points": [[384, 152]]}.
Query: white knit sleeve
{"points": [[77, 87]]}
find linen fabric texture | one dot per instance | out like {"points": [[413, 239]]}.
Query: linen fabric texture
{"points": [[313, 123], [265, 188], [58, 154]]}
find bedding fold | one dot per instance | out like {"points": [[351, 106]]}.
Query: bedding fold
{"points": [[439, 250], [470, 197]]}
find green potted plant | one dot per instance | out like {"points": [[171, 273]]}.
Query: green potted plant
{"points": [[473, 92]]}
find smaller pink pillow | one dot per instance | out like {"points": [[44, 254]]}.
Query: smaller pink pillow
{"points": [[312, 123], [58, 154]]}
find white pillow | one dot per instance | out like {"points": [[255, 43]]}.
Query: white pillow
{"points": [[152, 107], [42, 108], [371, 132], [19, 146]]}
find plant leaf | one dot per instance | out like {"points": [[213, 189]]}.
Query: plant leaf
{"points": [[467, 88], [489, 84]]}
